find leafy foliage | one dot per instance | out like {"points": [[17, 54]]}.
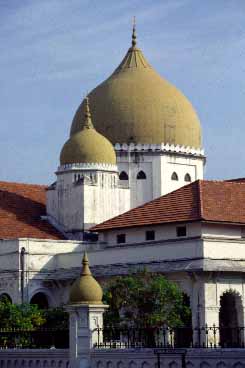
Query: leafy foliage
{"points": [[29, 316], [18, 323], [145, 299], [56, 318], [20, 316]]}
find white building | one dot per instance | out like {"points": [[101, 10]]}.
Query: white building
{"points": [[142, 143]]}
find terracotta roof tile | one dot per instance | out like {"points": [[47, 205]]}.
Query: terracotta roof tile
{"points": [[220, 201], [21, 208]]}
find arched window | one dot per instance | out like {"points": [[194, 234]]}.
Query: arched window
{"points": [[174, 176], [123, 176], [187, 177], [41, 300], [141, 175]]}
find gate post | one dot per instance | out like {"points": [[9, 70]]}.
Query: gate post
{"points": [[85, 310]]}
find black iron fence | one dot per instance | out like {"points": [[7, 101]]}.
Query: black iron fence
{"points": [[181, 337], [34, 339], [118, 337]]}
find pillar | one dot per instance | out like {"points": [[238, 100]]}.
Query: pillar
{"points": [[84, 322]]}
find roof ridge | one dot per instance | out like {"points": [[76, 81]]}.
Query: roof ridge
{"points": [[23, 184]]}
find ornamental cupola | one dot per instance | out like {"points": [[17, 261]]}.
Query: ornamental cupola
{"points": [[87, 146]]}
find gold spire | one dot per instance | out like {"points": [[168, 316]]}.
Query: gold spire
{"points": [[88, 120], [85, 263], [134, 37]]}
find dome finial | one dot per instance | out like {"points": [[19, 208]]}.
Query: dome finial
{"points": [[85, 263], [88, 121], [134, 37]]}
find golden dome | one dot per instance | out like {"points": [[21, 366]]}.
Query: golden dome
{"points": [[86, 289], [87, 145], [135, 104]]}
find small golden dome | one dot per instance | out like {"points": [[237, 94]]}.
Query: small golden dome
{"points": [[135, 104], [86, 290], [87, 145]]}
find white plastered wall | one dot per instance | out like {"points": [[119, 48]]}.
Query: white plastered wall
{"points": [[104, 202], [138, 234], [158, 167], [9, 269], [78, 206]]}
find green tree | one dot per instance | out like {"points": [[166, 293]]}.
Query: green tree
{"points": [[56, 318], [145, 299], [20, 316]]}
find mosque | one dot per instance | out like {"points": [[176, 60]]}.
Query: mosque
{"points": [[130, 192]]}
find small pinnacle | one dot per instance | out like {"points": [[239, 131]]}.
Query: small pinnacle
{"points": [[85, 263], [134, 37]]}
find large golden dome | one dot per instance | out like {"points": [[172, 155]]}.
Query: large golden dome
{"points": [[135, 104], [87, 145]]}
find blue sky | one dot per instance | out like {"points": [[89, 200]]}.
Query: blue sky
{"points": [[53, 51]]}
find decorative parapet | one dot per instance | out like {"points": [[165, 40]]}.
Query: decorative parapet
{"points": [[87, 166], [139, 147]]}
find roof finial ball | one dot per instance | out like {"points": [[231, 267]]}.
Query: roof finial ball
{"points": [[86, 290], [134, 37]]}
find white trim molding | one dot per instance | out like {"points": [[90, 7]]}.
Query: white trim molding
{"points": [[87, 166], [133, 147]]}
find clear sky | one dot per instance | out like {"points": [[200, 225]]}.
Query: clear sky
{"points": [[54, 51]]}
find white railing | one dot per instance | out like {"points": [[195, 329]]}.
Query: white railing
{"points": [[34, 358]]}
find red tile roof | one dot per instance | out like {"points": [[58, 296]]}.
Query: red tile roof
{"points": [[21, 208], [217, 201]]}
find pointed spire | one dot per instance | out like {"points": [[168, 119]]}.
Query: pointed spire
{"points": [[85, 270], [134, 37], [87, 121]]}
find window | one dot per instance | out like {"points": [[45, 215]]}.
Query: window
{"points": [[187, 177], [174, 176], [121, 238], [123, 176], [141, 175], [181, 231], [150, 235]]}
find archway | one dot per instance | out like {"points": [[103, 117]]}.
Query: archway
{"points": [[231, 319], [4, 297], [184, 335], [41, 300]]}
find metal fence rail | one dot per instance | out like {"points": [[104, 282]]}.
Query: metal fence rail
{"points": [[34, 339], [181, 337]]}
